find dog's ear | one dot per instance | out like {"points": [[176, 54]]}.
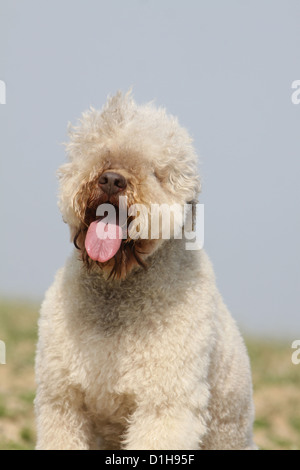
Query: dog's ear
{"points": [[184, 180], [67, 191], [64, 172], [73, 233]]}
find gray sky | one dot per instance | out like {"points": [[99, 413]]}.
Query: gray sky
{"points": [[224, 68]]}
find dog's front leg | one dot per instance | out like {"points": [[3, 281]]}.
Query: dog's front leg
{"points": [[164, 428], [61, 423]]}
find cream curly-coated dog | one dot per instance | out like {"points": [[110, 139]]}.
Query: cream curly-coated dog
{"points": [[136, 347]]}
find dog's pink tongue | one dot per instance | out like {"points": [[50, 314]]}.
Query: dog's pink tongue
{"points": [[103, 240]]}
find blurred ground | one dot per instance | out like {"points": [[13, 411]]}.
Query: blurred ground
{"points": [[276, 385]]}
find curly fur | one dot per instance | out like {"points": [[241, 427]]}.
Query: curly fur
{"points": [[139, 352]]}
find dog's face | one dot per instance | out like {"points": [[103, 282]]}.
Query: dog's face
{"points": [[125, 153]]}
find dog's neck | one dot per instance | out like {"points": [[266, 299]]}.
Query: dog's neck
{"points": [[168, 255]]}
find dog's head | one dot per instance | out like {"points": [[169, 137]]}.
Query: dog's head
{"points": [[129, 158]]}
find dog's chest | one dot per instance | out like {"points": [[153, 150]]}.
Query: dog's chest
{"points": [[115, 341], [107, 309], [120, 333]]}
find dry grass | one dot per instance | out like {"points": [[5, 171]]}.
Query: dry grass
{"points": [[276, 385], [18, 328]]}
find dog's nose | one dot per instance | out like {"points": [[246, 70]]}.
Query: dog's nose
{"points": [[112, 183]]}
